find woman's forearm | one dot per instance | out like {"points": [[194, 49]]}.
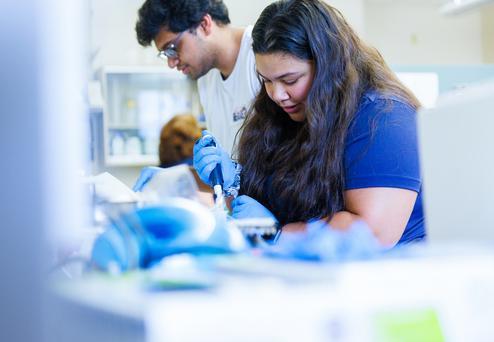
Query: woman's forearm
{"points": [[342, 220]]}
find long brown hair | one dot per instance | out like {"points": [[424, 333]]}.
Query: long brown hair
{"points": [[302, 163]]}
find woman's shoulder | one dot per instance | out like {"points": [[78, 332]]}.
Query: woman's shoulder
{"points": [[375, 101], [383, 110]]}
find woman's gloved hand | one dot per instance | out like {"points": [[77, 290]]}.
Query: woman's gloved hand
{"points": [[146, 174], [207, 154], [247, 207]]}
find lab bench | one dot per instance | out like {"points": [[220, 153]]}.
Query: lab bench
{"points": [[444, 294]]}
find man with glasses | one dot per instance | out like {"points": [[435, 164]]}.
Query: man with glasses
{"points": [[195, 37]]}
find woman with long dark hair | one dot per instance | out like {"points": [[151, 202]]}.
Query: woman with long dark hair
{"points": [[332, 133]]}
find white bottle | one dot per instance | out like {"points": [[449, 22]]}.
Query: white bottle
{"points": [[133, 146], [117, 144]]}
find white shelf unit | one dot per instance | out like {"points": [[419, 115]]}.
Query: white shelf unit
{"points": [[460, 6], [138, 101]]}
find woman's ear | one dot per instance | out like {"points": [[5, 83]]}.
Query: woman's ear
{"points": [[206, 24]]}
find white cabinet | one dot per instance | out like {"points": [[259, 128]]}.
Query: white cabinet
{"points": [[138, 101]]}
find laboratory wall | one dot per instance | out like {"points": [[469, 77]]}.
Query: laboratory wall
{"points": [[113, 39], [488, 33], [243, 13], [406, 32], [414, 32]]}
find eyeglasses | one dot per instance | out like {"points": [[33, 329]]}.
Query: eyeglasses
{"points": [[170, 51]]}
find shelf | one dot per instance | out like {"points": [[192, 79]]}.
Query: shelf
{"points": [[132, 160], [460, 6], [138, 101], [123, 127], [139, 69]]}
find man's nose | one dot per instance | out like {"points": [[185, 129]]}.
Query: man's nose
{"points": [[172, 62]]}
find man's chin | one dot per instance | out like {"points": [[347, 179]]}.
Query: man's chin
{"points": [[194, 76], [191, 76]]}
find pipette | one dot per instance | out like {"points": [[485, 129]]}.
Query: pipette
{"points": [[216, 178]]}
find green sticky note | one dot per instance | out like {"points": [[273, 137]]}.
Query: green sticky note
{"points": [[408, 326]]}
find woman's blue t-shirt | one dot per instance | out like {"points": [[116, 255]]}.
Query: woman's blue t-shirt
{"points": [[382, 151]]}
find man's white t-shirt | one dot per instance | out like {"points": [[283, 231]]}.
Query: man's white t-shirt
{"points": [[226, 102]]}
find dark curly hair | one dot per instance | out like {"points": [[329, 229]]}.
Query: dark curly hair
{"points": [[176, 16]]}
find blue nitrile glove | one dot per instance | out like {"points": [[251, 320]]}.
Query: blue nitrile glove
{"points": [[206, 158], [322, 243], [146, 174], [247, 207]]}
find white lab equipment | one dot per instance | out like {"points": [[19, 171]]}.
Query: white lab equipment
{"points": [[424, 85], [175, 181], [457, 159], [42, 144]]}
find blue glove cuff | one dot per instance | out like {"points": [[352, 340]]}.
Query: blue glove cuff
{"points": [[232, 190]]}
